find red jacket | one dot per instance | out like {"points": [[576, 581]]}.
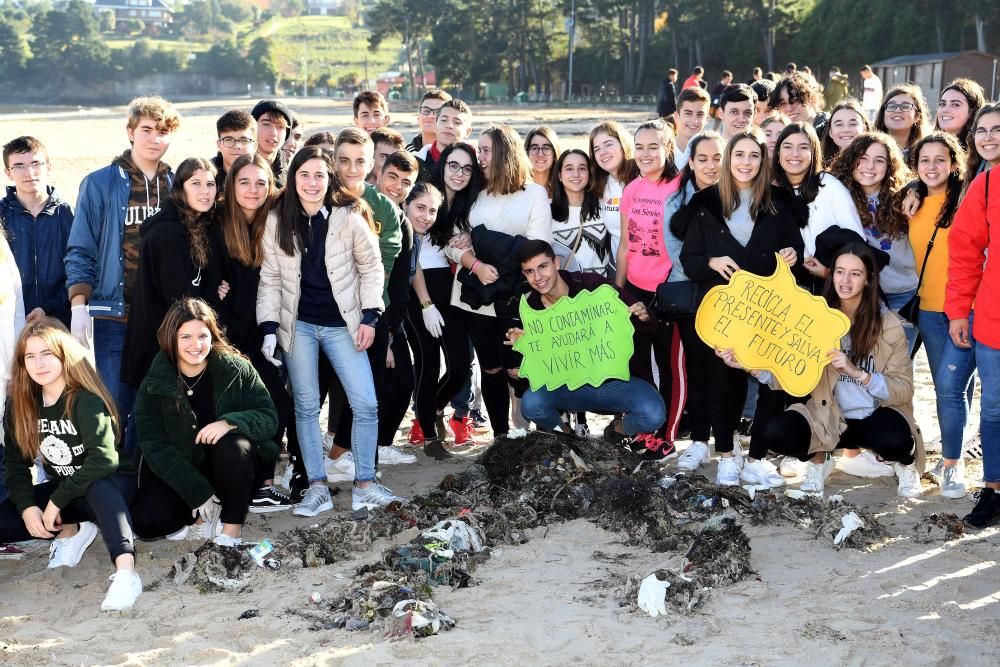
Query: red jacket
{"points": [[972, 276]]}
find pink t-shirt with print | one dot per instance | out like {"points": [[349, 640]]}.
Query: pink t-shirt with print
{"points": [[642, 204]]}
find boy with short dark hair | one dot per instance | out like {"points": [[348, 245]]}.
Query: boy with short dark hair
{"points": [[387, 141], [426, 118], [738, 105], [453, 124], [37, 223], [237, 131], [689, 119], [274, 124], [371, 111], [294, 141], [102, 255]]}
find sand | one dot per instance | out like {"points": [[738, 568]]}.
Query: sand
{"points": [[543, 602]]}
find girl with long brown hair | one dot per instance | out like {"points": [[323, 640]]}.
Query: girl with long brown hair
{"points": [[734, 225], [173, 262], [613, 153], [875, 173], [510, 205], [63, 413], [205, 423], [237, 242], [958, 105], [542, 147], [865, 396], [848, 119]]}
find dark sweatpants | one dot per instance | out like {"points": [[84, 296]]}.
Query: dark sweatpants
{"points": [[105, 503], [884, 431], [232, 466], [397, 389]]}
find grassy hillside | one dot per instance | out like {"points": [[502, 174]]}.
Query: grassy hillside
{"points": [[328, 43]]}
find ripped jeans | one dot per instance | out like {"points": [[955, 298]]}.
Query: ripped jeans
{"points": [[952, 370]]}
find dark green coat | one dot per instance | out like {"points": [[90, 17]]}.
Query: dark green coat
{"points": [[166, 433]]}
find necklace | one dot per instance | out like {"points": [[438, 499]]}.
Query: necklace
{"points": [[190, 387]]}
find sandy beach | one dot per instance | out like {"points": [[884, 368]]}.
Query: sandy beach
{"points": [[550, 600]]}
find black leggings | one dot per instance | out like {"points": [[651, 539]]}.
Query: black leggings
{"points": [[726, 394], [397, 388], [696, 361], [232, 466], [488, 334], [433, 390], [885, 432], [771, 403], [105, 503], [275, 384]]}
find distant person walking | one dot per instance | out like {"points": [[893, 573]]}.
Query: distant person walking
{"points": [[666, 103], [696, 78], [871, 96]]}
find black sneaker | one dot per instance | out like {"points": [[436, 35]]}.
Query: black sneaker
{"points": [[613, 436], [650, 447], [987, 509], [269, 499]]}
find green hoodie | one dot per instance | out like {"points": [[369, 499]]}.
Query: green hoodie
{"points": [[167, 425], [78, 448]]}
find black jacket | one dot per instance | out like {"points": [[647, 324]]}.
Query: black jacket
{"points": [[399, 278], [502, 251], [708, 236], [666, 103], [238, 311], [166, 273]]}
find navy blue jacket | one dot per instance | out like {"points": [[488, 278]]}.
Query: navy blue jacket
{"points": [[39, 246]]}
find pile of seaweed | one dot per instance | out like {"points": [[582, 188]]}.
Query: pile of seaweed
{"points": [[517, 486]]}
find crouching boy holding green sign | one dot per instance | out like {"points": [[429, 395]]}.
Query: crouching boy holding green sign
{"points": [[577, 347]]}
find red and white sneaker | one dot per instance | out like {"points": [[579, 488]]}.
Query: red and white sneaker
{"points": [[462, 430], [650, 447], [416, 434]]}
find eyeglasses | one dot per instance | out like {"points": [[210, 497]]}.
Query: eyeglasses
{"points": [[900, 106], [230, 142], [21, 168], [427, 111], [980, 133], [544, 149], [456, 168]]}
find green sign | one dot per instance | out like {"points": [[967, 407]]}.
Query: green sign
{"points": [[585, 339]]}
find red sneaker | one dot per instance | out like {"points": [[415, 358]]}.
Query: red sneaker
{"points": [[650, 447], [416, 434], [462, 429]]}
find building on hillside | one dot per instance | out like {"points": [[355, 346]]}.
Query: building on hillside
{"points": [[933, 71], [393, 84], [325, 7], [152, 13]]}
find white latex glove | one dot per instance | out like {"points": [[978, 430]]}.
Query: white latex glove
{"points": [[209, 511], [653, 596], [81, 324], [433, 321], [851, 523], [268, 347]]}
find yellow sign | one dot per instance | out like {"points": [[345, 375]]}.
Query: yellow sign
{"points": [[772, 324]]}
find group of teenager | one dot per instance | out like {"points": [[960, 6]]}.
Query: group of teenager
{"points": [[225, 300]]}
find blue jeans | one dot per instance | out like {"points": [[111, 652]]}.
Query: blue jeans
{"points": [[637, 399], [988, 363], [355, 373], [952, 369], [109, 341], [897, 301]]}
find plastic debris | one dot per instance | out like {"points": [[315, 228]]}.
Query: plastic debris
{"points": [[458, 535], [653, 596], [260, 550], [851, 523]]}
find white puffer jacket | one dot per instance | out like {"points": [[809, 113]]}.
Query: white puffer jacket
{"points": [[353, 263], [11, 317]]}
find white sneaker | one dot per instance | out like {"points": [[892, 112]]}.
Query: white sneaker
{"points": [[390, 456], [340, 470], [67, 551], [224, 540], [126, 587], [373, 496], [728, 473], [953, 480], [696, 454], [789, 466], [316, 500], [909, 481], [761, 473], [196, 532], [816, 474], [866, 464]]}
